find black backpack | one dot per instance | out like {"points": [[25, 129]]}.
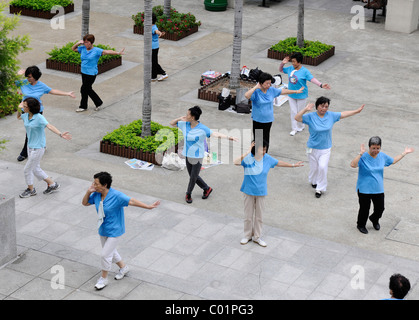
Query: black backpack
{"points": [[224, 102], [254, 74]]}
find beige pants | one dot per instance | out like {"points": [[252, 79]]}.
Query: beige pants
{"points": [[253, 209]]}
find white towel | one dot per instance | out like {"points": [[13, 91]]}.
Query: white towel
{"points": [[100, 215]]}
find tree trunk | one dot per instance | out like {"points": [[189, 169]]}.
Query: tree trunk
{"points": [[85, 16], [300, 32], [166, 8], [237, 45], [146, 118]]}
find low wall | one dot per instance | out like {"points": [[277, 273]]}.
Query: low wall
{"points": [[8, 248]]}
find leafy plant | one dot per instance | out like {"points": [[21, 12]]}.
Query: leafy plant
{"points": [[178, 22], [10, 48], [42, 5], [311, 49], [66, 55], [161, 139]]}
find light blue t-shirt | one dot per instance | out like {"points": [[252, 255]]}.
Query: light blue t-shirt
{"points": [[320, 129], [113, 206], [33, 91], [263, 104], [35, 130], [297, 80], [371, 173], [255, 182], [89, 59], [194, 139], [154, 37]]}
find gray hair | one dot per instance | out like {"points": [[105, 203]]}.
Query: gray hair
{"points": [[374, 141]]}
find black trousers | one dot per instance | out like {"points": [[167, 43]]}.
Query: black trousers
{"points": [[266, 129], [364, 207], [87, 91], [194, 168], [155, 67]]}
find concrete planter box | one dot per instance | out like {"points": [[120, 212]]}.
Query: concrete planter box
{"points": [[38, 13], [75, 68], [169, 36], [130, 153], [306, 60], [8, 247]]}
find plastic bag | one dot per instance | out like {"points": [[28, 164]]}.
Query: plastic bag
{"points": [[173, 162]]}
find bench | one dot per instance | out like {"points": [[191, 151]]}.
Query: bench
{"points": [[372, 4]]}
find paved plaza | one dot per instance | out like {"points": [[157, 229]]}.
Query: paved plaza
{"points": [[185, 251]]}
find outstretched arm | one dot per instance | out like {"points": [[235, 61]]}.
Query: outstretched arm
{"points": [[65, 135], [112, 52], [401, 156], [289, 165], [62, 93], [138, 203], [345, 114]]}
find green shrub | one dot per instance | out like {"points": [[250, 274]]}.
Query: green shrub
{"points": [[311, 49], [43, 5], [177, 23], [66, 55], [161, 139], [10, 48]]}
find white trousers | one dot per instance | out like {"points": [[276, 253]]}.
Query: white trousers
{"points": [[109, 252], [319, 163], [253, 209], [296, 105], [33, 166]]}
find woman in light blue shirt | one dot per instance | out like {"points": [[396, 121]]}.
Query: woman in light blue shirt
{"points": [[156, 69], [110, 205], [257, 163], [319, 143], [298, 75], [90, 55], [262, 96], [195, 134], [34, 88], [35, 124], [370, 183]]}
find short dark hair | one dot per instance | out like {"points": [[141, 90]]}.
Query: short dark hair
{"points": [[399, 285], [195, 112], [153, 18], [264, 76], [265, 144], [374, 141], [34, 71], [322, 100], [105, 179], [297, 56], [33, 105], [89, 37]]}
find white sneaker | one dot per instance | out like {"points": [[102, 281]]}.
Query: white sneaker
{"points": [[293, 132], [121, 273], [162, 77], [80, 110], [260, 242], [101, 283], [244, 240]]}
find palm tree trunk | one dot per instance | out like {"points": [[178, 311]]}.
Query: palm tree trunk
{"points": [[146, 117], [85, 16], [237, 45], [300, 32], [166, 8]]}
